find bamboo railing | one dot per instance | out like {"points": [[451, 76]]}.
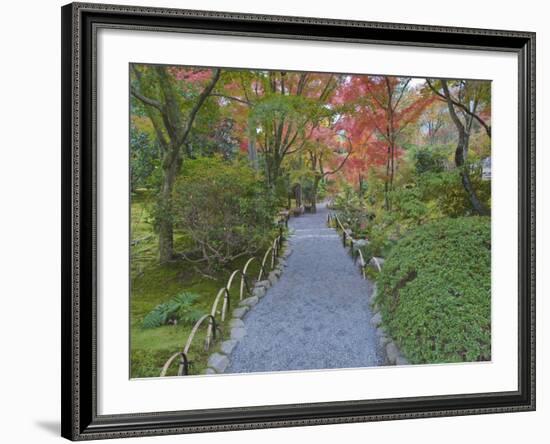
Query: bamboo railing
{"points": [[333, 219], [224, 293]]}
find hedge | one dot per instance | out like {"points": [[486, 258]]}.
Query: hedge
{"points": [[434, 292]]}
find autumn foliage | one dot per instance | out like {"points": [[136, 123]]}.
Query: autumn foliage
{"points": [[220, 157], [302, 131]]}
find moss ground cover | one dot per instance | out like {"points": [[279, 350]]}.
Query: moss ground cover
{"points": [[153, 284]]}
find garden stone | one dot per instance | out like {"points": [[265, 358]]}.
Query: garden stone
{"points": [[272, 277], [238, 333], [265, 283], [372, 298], [359, 244], [374, 291], [392, 352], [240, 311], [209, 371], [401, 361], [376, 262], [227, 347], [250, 302], [383, 341], [258, 292], [235, 322], [218, 362], [376, 320]]}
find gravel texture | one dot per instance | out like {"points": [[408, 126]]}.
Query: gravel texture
{"points": [[317, 315]]}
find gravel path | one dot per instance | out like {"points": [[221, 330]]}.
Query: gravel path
{"points": [[317, 315]]}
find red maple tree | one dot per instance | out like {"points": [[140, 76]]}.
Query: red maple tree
{"points": [[382, 106]]}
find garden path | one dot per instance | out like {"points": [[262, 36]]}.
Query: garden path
{"points": [[316, 316]]}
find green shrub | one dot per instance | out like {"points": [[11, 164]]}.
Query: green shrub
{"points": [[144, 160], [434, 291], [430, 159], [224, 208], [352, 210], [445, 189], [179, 308]]}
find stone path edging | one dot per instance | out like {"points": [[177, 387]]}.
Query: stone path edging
{"points": [[392, 352], [393, 355], [317, 316], [219, 360]]}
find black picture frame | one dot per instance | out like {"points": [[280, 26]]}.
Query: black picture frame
{"points": [[79, 395]]}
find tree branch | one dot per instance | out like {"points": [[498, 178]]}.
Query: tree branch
{"points": [[343, 161], [461, 106], [301, 84], [326, 91], [138, 95], [146, 100], [451, 104], [236, 99], [402, 92], [205, 93]]}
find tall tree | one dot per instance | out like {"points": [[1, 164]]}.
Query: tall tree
{"points": [[434, 122], [388, 105], [281, 109], [326, 153], [172, 112], [465, 104]]}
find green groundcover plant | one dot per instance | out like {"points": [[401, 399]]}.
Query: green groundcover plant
{"points": [[178, 309], [434, 292]]}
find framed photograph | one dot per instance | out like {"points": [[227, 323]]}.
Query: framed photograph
{"points": [[280, 221]]}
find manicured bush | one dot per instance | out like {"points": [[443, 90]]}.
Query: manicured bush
{"points": [[434, 291], [224, 208]]}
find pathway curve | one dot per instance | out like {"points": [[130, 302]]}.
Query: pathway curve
{"points": [[317, 315]]}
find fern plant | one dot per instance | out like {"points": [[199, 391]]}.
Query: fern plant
{"points": [[178, 309]]}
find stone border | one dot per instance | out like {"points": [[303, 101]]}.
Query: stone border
{"points": [[220, 360], [392, 353]]}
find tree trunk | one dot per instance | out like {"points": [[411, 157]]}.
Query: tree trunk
{"points": [[171, 123], [252, 152], [166, 226], [275, 170], [460, 160], [298, 195], [314, 195], [386, 182], [461, 154], [392, 165]]}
